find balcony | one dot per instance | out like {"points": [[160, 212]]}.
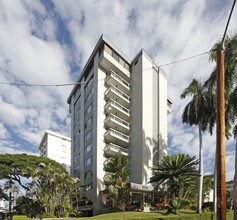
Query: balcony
{"points": [[117, 137], [114, 93], [117, 123], [117, 109], [107, 62], [116, 80], [112, 150]]}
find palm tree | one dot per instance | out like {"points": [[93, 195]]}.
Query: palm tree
{"points": [[117, 179], [230, 45], [199, 111], [176, 170], [230, 78]]}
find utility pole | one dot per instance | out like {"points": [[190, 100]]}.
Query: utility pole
{"points": [[220, 136], [220, 127]]}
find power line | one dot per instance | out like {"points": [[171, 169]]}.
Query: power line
{"points": [[188, 58], [227, 24], [44, 85], [79, 83]]}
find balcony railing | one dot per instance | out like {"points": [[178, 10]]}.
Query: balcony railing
{"points": [[114, 107], [122, 84], [125, 99], [116, 137], [113, 149], [118, 120]]}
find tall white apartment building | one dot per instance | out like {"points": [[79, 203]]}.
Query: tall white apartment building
{"points": [[56, 147], [119, 106]]}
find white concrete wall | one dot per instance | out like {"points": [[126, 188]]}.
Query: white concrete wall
{"points": [[59, 150], [136, 134], [98, 135], [149, 118], [162, 105]]}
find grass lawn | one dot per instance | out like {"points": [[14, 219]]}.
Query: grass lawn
{"points": [[186, 214]]}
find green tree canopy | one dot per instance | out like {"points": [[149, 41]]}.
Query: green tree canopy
{"points": [[176, 170], [23, 165], [117, 179]]}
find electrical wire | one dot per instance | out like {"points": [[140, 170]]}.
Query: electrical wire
{"points": [[79, 83], [44, 85], [185, 59]]}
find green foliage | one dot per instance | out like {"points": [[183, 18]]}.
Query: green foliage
{"points": [[176, 171], [53, 190], [230, 66], [29, 207], [190, 190], [3, 195], [177, 204], [23, 165], [116, 179], [20, 217]]}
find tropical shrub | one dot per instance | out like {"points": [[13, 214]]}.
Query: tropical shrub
{"points": [[176, 204]]}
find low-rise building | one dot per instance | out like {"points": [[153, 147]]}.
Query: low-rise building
{"points": [[56, 147]]}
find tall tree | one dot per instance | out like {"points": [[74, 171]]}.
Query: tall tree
{"points": [[176, 170], [199, 111], [230, 45], [117, 179], [20, 166]]}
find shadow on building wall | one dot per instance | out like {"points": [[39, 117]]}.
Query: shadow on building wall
{"points": [[158, 147], [146, 154]]}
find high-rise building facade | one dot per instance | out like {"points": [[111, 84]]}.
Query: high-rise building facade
{"points": [[56, 147], [119, 106]]}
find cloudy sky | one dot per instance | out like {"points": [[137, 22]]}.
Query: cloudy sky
{"points": [[49, 41]]}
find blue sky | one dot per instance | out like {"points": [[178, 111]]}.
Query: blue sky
{"points": [[48, 42]]}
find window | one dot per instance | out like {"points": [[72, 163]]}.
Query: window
{"points": [[78, 92], [88, 135], [108, 49], [77, 104], [77, 167], [88, 174], [77, 114], [88, 161], [88, 85], [89, 108], [77, 147], [77, 137], [88, 148], [77, 122], [115, 55], [88, 122], [121, 61], [90, 94], [89, 186], [76, 158]]}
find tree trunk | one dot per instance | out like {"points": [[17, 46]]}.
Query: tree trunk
{"points": [[235, 184], [200, 178]]}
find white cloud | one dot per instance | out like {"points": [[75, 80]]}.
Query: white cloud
{"points": [[3, 133], [168, 30]]}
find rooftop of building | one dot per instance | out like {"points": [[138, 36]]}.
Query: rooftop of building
{"points": [[103, 39], [48, 132]]}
